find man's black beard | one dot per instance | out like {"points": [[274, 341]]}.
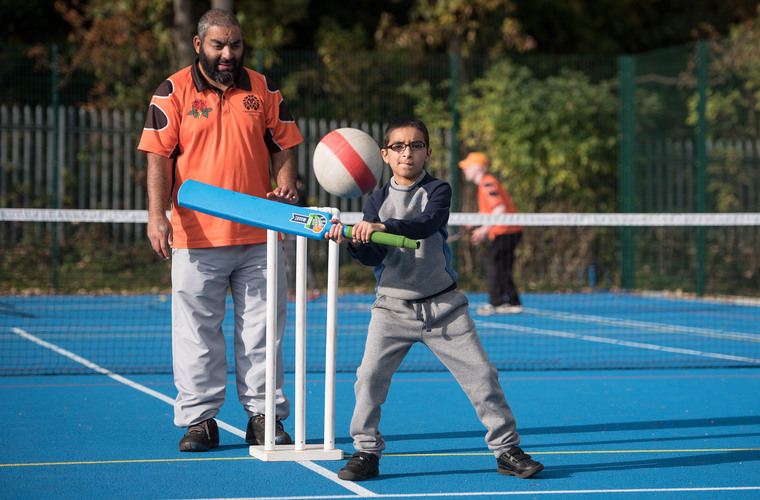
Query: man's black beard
{"points": [[211, 68]]}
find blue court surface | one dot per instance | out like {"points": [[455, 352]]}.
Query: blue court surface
{"points": [[671, 408]]}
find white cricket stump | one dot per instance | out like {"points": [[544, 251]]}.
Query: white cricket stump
{"points": [[299, 450]]}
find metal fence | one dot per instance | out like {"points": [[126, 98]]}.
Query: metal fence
{"points": [[97, 164], [88, 159], [678, 141]]}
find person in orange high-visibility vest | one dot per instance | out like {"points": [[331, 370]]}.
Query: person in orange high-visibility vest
{"points": [[503, 297]]}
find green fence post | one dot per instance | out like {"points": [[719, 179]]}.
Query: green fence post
{"points": [[627, 164], [701, 161], [259, 64], [453, 145], [56, 127]]}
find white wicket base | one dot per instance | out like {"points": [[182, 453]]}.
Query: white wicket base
{"points": [[300, 451], [288, 453]]}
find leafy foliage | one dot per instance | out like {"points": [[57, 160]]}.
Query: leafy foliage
{"points": [[267, 25], [733, 106], [553, 139], [126, 46], [92, 258], [456, 27]]}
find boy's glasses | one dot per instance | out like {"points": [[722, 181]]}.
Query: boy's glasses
{"points": [[400, 147]]}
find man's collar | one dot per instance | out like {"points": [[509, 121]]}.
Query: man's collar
{"points": [[243, 81]]}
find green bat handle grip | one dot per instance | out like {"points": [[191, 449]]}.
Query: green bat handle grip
{"points": [[393, 240]]}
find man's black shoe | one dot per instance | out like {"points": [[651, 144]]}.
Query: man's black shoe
{"points": [[515, 462], [254, 434], [200, 437], [360, 466]]}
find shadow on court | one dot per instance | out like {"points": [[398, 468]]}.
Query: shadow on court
{"points": [[663, 425], [647, 425], [655, 464]]}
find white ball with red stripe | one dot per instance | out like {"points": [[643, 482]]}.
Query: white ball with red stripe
{"points": [[347, 163]]}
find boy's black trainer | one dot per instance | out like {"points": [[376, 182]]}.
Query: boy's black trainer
{"points": [[515, 462], [200, 437], [360, 466], [254, 434]]}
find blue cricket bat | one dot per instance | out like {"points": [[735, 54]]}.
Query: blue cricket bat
{"points": [[260, 212]]}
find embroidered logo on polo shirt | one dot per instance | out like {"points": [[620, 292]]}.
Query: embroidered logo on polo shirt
{"points": [[200, 108], [252, 103]]}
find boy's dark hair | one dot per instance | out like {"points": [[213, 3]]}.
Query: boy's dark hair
{"points": [[405, 121]]}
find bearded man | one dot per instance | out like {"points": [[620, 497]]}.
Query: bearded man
{"points": [[220, 123]]}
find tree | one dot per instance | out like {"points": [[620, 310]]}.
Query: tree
{"points": [[182, 33], [733, 106], [268, 25], [733, 115], [129, 47], [625, 26], [552, 140], [125, 45], [455, 27], [23, 24]]}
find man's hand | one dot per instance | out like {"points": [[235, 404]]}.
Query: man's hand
{"points": [[159, 181], [480, 234], [285, 173], [284, 194], [160, 235]]}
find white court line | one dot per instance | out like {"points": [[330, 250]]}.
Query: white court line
{"points": [[99, 334], [358, 490], [511, 493], [624, 343], [646, 325], [328, 474]]}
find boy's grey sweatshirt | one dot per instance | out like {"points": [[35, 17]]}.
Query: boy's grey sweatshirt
{"points": [[420, 212]]}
